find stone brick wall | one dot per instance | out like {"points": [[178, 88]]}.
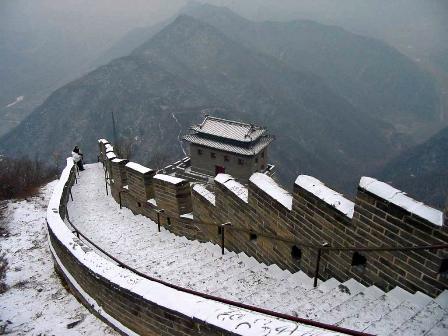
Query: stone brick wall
{"points": [[118, 172], [140, 183], [286, 229], [135, 305], [173, 195]]}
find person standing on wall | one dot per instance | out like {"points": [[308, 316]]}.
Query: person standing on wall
{"points": [[77, 157]]}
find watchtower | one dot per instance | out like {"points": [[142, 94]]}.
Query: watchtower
{"points": [[225, 146]]}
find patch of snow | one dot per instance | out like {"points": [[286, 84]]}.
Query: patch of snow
{"points": [[168, 178], [329, 196], [236, 320], [235, 187], [116, 160], [18, 100], [138, 167], [270, 187], [187, 216], [36, 303], [400, 199], [104, 141], [111, 155], [204, 192], [152, 201]]}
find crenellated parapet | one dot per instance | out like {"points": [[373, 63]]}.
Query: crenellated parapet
{"points": [[358, 239]]}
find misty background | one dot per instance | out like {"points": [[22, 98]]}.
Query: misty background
{"points": [[46, 44]]}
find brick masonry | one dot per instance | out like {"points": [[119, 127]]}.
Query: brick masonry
{"points": [[272, 233]]}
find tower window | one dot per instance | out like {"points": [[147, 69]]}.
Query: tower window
{"points": [[252, 236], [226, 158], [262, 154], [240, 161], [256, 159], [199, 151], [359, 261], [296, 253], [443, 271], [213, 155]]}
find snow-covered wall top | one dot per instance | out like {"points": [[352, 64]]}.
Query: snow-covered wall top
{"points": [[204, 192], [169, 178], [215, 313], [329, 196], [235, 187], [111, 155], [138, 167], [270, 187], [400, 199], [116, 160], [103, 141]]}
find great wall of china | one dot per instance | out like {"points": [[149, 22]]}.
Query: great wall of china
{"points": [[383, 238]]}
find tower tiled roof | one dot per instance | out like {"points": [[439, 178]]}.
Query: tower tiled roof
{"points": [[229, 129], [229, 136]]}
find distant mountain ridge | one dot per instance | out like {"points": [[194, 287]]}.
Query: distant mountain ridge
{"points": [[190, 68], [422, 171], [373, 76]]}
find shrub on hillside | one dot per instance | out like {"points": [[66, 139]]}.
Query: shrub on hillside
{"points": [[22, 177]]}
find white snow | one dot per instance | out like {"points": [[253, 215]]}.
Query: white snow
{"points": [[111, 155], [92, 207], [36, 303], [152, 201], [168, 178], [200, 266], [104, 141], [329, 196], [399, 198], [138, 167], [204, 192], [18, 100], [270, 187], [187, 216], [235, 187], [116, 160]]}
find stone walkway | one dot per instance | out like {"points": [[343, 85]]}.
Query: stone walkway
{"points": [[200, 266]]}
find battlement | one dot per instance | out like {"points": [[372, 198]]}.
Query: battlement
{"points": [[276, 226]]}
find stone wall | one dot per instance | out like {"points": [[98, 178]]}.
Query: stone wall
{"points": [[274, 226], [136, 305]]}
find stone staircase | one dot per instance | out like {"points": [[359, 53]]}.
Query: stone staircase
{"points": [[201, 267]]}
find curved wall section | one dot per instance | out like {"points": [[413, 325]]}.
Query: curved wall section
{"points": [[134, 305]]}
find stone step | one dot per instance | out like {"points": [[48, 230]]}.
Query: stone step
{"points": [[374, 310], [190, 269], [332, 298], [396, 317], [442, 299], [252, 284], [440, 329], [422, 322], [350, 307], [302, 287]]}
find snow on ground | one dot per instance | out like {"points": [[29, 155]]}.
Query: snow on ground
{"points": [[36, 303], [18, 100], [134, 240]]}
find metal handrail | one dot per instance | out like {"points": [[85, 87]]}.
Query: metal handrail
{"points": [[216, 298], [319, 248]]}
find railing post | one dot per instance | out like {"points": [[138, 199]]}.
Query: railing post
{"points": [[319, 255], [119, 197], [105, 179], [223, 226], [316, 271], [159, 211]]}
